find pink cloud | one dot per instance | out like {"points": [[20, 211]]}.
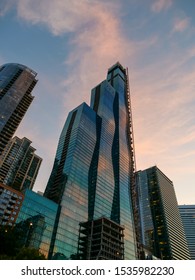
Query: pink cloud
{"points": [[160, 5], [161, 90], [180, 25]]}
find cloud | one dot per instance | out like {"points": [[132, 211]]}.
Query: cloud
{"points": [[160, 5], [163, 105], [96, 39], [59, 16], [5, 6], [181, 25], [161, 75], [95, 36]]}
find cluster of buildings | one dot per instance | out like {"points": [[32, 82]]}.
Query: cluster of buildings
{"points": [[95, 205]]}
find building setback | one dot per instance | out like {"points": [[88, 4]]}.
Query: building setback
{"points": [[187, 213], [16, 84], [19, 165], [93, 171], [162, 229]]}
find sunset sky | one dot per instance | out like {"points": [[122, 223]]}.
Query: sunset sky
{"points": [[71, 44]]}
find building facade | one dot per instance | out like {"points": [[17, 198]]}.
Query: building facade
{"points": [[36, 221], [19, 165], [93, 171], [101, 239], [162, 229], [16, 84], [187, 213], [10, 204]]}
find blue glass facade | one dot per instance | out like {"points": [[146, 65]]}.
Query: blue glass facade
{"points": [[36, 220], [91, 172]]}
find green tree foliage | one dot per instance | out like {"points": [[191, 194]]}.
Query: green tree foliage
{"points": [[29, 254]]}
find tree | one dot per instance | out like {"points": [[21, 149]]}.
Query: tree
{"points": [[8, 241], [12, 246], [29, 254]]}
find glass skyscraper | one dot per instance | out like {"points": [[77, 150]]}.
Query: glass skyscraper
{"points": [[16, 84], [162, 229], [187, 213], [93, 171]]}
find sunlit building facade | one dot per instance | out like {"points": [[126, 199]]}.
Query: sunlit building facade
{"points": [[162, 229], [92, 175], [16, 84], [187, 213], [19, 165]]}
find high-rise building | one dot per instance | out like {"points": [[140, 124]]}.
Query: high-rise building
{"points": [[19, 165], [187, 213], [101, 239], [93, 171], [16, 84], [162, 229], [10, 203]]}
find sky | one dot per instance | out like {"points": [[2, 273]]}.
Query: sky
{"points": [[71, 44]]}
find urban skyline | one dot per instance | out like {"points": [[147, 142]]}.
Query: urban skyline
{"points": [[161, 68], [93, 183]]}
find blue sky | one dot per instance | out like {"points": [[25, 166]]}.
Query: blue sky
{"points": [[71, 44]]}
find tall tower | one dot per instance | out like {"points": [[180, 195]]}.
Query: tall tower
{"points": [[162, 229], [187, 213], [19, 165], [93, 172], [16, 84]]}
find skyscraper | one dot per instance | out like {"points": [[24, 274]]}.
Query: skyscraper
{"points": [[162, 228], [187, 213], [93, 171], [19, 165], [16, 84]]}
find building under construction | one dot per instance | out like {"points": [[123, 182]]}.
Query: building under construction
{"points": [[101, 239]]}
